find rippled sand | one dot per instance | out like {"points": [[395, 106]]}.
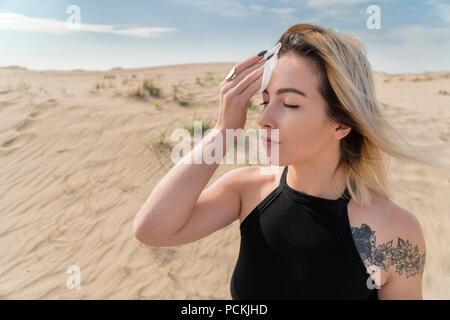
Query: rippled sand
{"points": [[80, 152]]}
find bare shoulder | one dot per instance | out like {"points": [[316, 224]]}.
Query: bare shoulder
{"points": [[397, 221], [390, 237], [251, 177], [254, 184]]}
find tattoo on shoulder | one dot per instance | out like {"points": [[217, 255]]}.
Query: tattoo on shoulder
{"points": [[404, 256]]}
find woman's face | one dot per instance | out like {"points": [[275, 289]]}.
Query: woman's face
{"points": [[305, 132]]}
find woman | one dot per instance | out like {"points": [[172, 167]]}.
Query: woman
{"points": [[322, 226]]}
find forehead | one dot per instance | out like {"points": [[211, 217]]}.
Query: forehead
{"points": [[295, 71]]}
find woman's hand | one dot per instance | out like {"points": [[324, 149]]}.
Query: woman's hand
{"points": [[235, 94]]}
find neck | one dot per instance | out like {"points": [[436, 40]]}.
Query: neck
{"points": [[316, 177]]}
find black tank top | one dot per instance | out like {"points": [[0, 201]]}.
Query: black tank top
{"points": [[298, 246]]}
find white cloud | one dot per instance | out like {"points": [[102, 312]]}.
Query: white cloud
{"points": [[227, 8], [411, 49], [256, 8], [336, 14], [323, 3], [278, 11], [234, 8], [20, 22], [281, 11], [416, 34], [441, 9]]}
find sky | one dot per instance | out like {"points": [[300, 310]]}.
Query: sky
{"points": [[413, 36]]}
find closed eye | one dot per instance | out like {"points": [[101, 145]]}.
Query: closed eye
{"points": [[286, 105]]}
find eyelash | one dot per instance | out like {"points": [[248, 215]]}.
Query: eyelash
{"points": [[286, 105]]}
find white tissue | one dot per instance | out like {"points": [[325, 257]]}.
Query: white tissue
{"points": [[268, 66]]}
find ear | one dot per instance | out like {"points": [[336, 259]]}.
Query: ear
{"points": [[341, 131]]}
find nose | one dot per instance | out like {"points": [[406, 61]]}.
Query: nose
{"points": [[267, 118]]}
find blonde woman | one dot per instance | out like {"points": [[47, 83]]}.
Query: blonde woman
{"points": [[322, 226]]}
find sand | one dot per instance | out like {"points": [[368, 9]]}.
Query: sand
{"points": [[80, 151]]}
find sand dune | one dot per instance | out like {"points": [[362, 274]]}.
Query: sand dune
{"points": [[80, 152]]}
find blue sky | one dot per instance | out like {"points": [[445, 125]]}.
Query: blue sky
{"points": [[414, 35]]}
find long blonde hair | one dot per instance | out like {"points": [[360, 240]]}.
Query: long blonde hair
{"points": [[348, 87]]}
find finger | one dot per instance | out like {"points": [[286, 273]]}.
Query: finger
{"points": [[254, 76], [240, 67], [238, 78], [251, 89], [227, 85]]}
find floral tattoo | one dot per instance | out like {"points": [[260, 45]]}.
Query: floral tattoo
{"points": [[404, 256]]}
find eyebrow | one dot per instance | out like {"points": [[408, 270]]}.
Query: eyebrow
{"points": [[283, 90]]}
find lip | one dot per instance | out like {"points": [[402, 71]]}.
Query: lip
{"points": [[268, 140]]}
